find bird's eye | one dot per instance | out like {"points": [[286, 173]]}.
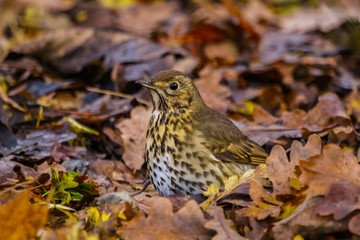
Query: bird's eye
{"points": [[174, 86]]}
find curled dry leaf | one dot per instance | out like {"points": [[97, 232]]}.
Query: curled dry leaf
{"points": [[224, 227], [133, 132], [162, 224]]}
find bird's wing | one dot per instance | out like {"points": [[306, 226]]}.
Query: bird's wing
{"points": [[226, 141]]}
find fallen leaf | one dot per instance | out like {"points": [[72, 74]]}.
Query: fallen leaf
{"points": [[21, 220], [224, 227], [133, 133], [161, 223], [214, 94], [341, 200], [320, 172], [304, 222], [279, 170], [265, 204], [299, 152], [354, 224]]}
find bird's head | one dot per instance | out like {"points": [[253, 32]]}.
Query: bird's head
{"points": [[172, 91]]}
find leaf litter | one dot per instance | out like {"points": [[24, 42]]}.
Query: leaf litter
{"points": [[73, 121]]}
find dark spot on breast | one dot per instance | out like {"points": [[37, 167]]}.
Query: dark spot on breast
{"points": [[182, 173], [208, 183], [194, 183], [192, 170], [162, 119], [151, 119], [202, 186], [183, 164], [191, 189], [181, 180], [220, 181], [212, 172], [195, 154], [176, 172], [170, 149], [162, 179], [206, 174], [197, 175], [203, 165], [188, 155], [176, 162]]}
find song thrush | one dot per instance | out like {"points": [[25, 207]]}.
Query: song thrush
{"points": [[189, 145]]}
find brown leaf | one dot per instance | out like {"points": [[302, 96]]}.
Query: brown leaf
{"points": [[214, 94], [298, 152], [331, 167], [329, 112], [162, 223], [304, 222], [280, 170], [224, 227], [265, 204], [341, 200], [133, 132], [354, 224], [21, 220]]}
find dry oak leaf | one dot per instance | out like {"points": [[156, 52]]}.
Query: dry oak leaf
{"points": [[214, 94], [303, 221], [342, 199], [162, 224], [281, 171], [224, 227], [265, 204], [21, 220], [329, 112], [330, 167], [133, 132]]}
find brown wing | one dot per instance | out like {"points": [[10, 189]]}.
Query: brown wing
{"points": [[226, 141]]}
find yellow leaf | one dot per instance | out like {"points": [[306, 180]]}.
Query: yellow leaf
{"points": [[211, 190], [94, 217], [247, 108], [296, 184], [231, 182], [298, 237], [21, 220], [80, 128], [105, 217], [121, 215]]}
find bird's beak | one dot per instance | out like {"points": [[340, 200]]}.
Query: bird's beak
{"points": [[147, 84]]}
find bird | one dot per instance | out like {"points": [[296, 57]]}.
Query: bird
{"points": [[189, 145]]}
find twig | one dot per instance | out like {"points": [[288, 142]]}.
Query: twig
{"points": [[123, 95]]}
